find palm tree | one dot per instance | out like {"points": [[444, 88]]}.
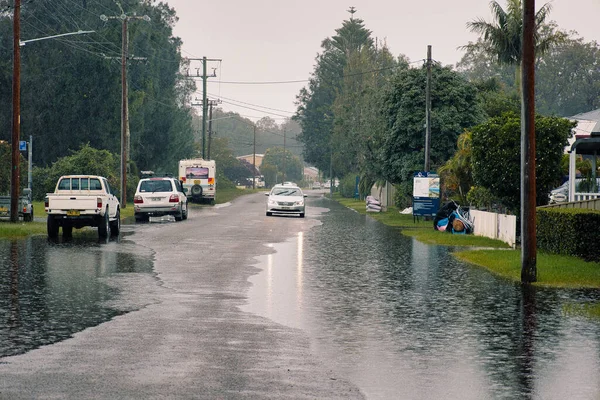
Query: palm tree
{"points": [[502, 37]]}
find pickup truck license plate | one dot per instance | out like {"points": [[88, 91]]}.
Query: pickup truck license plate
{"points": [[73, 213]]}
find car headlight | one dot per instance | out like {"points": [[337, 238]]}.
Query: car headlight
{"points": [[272, 202], [299, 203]]}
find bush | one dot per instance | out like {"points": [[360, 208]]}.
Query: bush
{"points": [[403, 196], [480, 197], [348, 185], [569, 231]]}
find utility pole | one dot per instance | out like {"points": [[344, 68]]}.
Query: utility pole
{"points": [[528, 190], [204, 77], [16, 115], [211, 103], [124, 97], [284, 156], [428, 111], [254, 159]]}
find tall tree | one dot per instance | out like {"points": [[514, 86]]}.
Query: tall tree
{"points": [[502, 36], [71, 87], [315, 102], [497, 167], [455, 107]]}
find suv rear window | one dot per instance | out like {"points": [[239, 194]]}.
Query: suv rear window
{"points": [[196, 173], [156, 186]]}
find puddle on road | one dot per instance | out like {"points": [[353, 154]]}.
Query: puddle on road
{"points": [[51, 290], [402, 319]]}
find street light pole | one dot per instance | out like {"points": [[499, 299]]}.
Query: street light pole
{"points": [[15, 181]]}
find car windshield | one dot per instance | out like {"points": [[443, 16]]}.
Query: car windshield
{"points": [[155, 186], [286, 192]]}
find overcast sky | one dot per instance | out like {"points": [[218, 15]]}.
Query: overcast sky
{"points": [[277, 40]]}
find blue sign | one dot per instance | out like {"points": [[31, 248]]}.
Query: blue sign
{"points": [[22, 145]]}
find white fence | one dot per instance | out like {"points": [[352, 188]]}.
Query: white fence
{"points": [[495, 226]]}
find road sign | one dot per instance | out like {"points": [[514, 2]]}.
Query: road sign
{"points": [[22, 145]]}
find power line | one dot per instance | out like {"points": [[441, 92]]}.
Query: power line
{"points": [[250, 104]]}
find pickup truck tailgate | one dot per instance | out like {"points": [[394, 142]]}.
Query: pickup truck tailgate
{"points": [[73, 203]]}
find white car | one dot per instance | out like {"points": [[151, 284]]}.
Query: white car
{"points": [[160, 196], [286, 199]]}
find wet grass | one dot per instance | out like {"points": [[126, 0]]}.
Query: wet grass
{"points": [[421, 229], [21, 229], [552, 270]]}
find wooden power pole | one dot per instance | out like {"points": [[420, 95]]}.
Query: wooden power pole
{"points": [[16, 115], [528, 191], [428, 111]]}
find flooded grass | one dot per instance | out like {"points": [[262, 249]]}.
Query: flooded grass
{"points": [[21, 229], [552, 270], [421, 229]]}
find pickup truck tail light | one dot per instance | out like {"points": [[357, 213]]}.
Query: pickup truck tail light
{"points": [[46, 202], [138, 199], [99, 202], [174, 198]]}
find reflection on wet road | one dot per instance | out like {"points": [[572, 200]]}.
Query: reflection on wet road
{"points": [[402, 319], [49, 291]]}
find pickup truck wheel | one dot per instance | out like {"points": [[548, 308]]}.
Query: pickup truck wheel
{"points": [[115, 226], [67, 231], [104, 225], [52, 226]]}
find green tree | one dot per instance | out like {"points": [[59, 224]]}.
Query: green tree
{"points": [[279, 159], [497, 167], [71, 89], [86, 161], [568, 78], [455, 107], [316, 113], [6, 167], [502, 36], [456, 174]]}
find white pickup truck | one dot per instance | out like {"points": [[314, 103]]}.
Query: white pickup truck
{"points": [[82, 200]]}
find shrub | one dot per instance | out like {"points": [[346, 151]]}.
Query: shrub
{"points": [[347, 185], [569, 231]]}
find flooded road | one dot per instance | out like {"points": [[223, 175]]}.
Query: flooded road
{"points": [[49, 291], [402, 319], [336, 306]]}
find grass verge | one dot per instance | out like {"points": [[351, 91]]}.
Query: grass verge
{"points": [[495, 256]]}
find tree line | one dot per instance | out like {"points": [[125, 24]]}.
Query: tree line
{"points": [[363, 111]]}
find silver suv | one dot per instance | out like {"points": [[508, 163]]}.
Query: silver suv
{"points": [[160, 196]]}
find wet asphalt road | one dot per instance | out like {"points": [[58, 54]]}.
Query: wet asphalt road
{"points": [[190, 339]]}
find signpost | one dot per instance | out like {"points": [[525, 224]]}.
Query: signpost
{"points": [[426, 194]]}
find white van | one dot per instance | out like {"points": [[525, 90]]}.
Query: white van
{"points": [[199, 179]]}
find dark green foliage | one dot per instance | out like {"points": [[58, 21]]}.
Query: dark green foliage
{"points": [[496, 155], [316, 112], [277, 159], [6, 168], [71, 87], [347, 185], [87, 161], [569, 232], [455, 107]]}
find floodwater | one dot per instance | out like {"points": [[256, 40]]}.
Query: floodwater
{"points": [[51, 290], [405, 320]]}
